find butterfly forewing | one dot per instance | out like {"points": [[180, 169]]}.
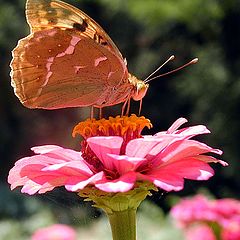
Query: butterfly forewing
{"points": [[45, 14]]}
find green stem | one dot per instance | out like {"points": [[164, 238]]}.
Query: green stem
{"points": [[120, 207], [123, 224], [216, 229]]}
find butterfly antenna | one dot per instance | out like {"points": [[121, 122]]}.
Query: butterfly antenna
{"points": [[195, 60], [168, 60]]}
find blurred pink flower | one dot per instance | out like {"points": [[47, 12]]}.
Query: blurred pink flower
{"points": [[223, 213], [192, 210], [232, 230], [55, 232], [226, 209], [118, 158], [199, 232]]}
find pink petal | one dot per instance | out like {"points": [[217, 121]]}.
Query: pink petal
{"points": [[209, 159], [102, 146], [172, 183], [182, 149], [166, 139], [28, 167], [188, 132], [75, 186], [173, 127], [69, 168], [179, 122], [140, 147], [163, 143], [64, 154], [41, 173], [171, 176], [32, 187], [45, 149], [190, 168], [124, 164], [193, 131], [122, 184]]}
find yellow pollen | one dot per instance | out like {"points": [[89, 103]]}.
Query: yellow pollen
{"points": [[130, 127]]}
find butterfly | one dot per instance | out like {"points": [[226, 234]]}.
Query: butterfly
{"points": [[68, 60]]}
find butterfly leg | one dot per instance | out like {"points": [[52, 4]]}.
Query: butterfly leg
{"points": [[123, 107], [100, 113], [128, 106], [91, 112], [140, 107]]}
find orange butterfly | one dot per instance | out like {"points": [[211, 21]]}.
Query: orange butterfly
{"points": [[69, 61]]}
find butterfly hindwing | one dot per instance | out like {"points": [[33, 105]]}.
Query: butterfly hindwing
{"points": [[56, 68]]}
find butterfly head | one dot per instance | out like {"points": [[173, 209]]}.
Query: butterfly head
{"points": [[140, 88]]}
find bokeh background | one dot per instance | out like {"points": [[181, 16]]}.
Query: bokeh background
{"points": [[147, 33]]}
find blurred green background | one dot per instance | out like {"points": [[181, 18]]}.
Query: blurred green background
{"points": [[147, 33]]}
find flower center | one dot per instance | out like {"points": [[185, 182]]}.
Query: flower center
{"points": [[127, 127]]}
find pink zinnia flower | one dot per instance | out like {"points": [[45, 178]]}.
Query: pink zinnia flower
{"points": [[231, 231], [115, 158], [200, 232], [192, 210], [55, 232], [224, 214]]}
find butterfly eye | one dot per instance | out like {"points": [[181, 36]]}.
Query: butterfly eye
{"points": [[141, 90]]}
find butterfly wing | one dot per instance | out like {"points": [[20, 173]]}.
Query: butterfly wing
{"points": [[67, 60], [46, 14]]}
